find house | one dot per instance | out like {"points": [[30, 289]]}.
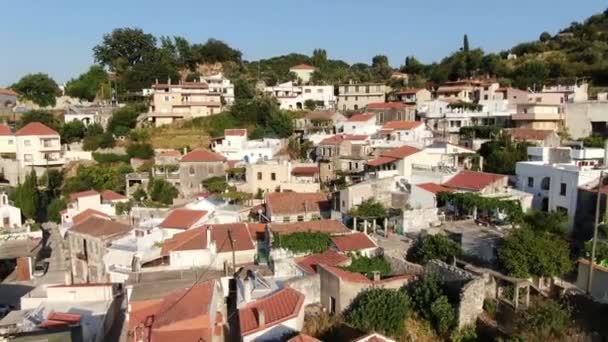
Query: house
{"points": [[11, 215], [358, 96], [296, 206], [84, 203], [343, 154], [181, 219], [357, 243], [397, 133], [8, 100], [219, 84], [186, 100], [397, 161], [309, 264], [38, 145], [272, 317], [538, 137], [340, 287], [359, 124], [212, 246], [461, 90], [424, 195], [191, 313], [281, 175], [451, 155], [483, 183], [545, 116], [413, 96], [396, 75], [235, 146], [196, 166], [303, 72], [391, 111], [294, 97], [318, 122], [88, 242]]}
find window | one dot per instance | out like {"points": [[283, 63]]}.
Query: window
{"points": [[10, 142], [27, 143], [332, 305], [320, 90], [562, 189], [191, 171], [356, 98], [530, 182], [259, 176], [561, 210], [307, 91], [273, 176], [485, 97], [166, 98], [286, 219], [300, 218]]}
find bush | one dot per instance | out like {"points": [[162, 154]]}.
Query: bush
{"points": [[92, 143], [547, 320], [54, 209], [123, 207], [216, 185], [141, 151], [435, 247], [432, 304], [367, 266], [380, 310], [125, 119], [443, 316], [162, 191], [110, 158], [139, 195], [302, 242]]}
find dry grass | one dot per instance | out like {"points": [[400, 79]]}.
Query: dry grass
{"points": [[173, 136]]}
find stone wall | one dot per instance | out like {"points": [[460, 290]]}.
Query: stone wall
{"points": [[402, 266], [309, 285]]}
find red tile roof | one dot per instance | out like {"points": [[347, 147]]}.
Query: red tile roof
{"points": [[182, 218], [279, 307], [348, 276], [401, 125], [361, 117], [10, 92], [337, 139], [202, 155], [387, 105], [83, 216], [183, 85], [471, 180], [434, 188], [58, 319], [528, 133], [109, 195], [320, 115], [5, 130], [305, 170], [99, 227], [322, 226], [182, 315], [381, 161], [35, 128], [309, 263], [411, 91], [353, 242], [256, 230], [86, 193], [286, 203], [195, 239], [241, 132], [302, 67], [400, 152], [303, 338]]}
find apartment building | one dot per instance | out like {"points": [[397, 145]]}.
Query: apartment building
{"points": [[221, 85], [357, 96]]}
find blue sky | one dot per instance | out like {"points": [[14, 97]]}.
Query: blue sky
{"points": [[56, 37]]}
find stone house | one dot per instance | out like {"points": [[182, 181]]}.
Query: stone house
{"points": [[538, 137], [281, 175], [342, 154], [297, 206], [88, 242], [392, 111], [197, 166]]}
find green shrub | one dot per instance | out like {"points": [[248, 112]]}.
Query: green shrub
{"points": [[380, 310], [141, 151], [110, 158], [367, 266], [302, 242], [433, 247]]}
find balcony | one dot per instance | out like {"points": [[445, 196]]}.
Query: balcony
{"points": [[47, 145], [538, 117]]}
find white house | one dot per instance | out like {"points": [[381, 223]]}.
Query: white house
{"points": [[294, 97], [236, 146], [220, 84], [398, 133], [303, 72], [359, 124], [37, 145], [11, 216]]}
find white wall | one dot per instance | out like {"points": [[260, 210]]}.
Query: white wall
{"points": [[275, 332]]}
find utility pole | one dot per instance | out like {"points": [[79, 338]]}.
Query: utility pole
{"points": [[595, 229]]}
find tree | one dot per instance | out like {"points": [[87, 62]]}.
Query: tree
{"points": [[369, 208], [319, 57], [526, 252], [413, 66], [545, 321], [38, 88], [216, 185], [89, 85], [550, 222], [380, 61], [545, 37], [302, 242], [141, 151], [367, 266], [54, 209], [72, 131], [44, 117], [281, 124], [310, 104], [531, 74], [51, 180], [214, 51], [432, 304], [124, 47], [444, 317], [98, 177], [162, 191], [380, 310], [465, 43], [243, 90], [433, 247], [501, 154], [26, 196], [139, 195], [124, 119]]}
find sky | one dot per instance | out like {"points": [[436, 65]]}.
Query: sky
{"points": [[56, 37]]}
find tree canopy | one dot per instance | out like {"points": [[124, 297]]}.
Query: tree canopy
{"points": [[90, 85], [432, 247], [380, 310], [38, 88]]}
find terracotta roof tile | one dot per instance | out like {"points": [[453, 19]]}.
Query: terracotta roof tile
{"points": [[59, 319], [84, 215], [284, 203], [195, 239], [202, 155], [337, 139], [5, 130], [279, 307], [182, 218], [471, 180], [320, 115], [348, 276], [305, 170], [35, 128], [400, 152], [322, 226], [256, 230], [387, 105], [434, 188], [10, 92], [87, 193], [353, 242], [99, 227], [528, 133], [309, 263], [411, 91], [361, 117], [109, 195], [381, 161], [242, 132], [302, 67], [401, 125]]}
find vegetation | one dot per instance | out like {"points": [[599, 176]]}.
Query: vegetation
{"points": [[216, 185], [110, 158], [369, 208], [466, 202], [38, 88], [140, 150], [302, 242], [89, 86], [98, 177], [546, 320], [161, 191], [433, 247], [26, 196], [501, 154], [123, 207], [123, 120], [380, 310], [480, 132], [594, 141], [72, 131], [44, 117], [54, 209], [431, 302], [367, 266]]}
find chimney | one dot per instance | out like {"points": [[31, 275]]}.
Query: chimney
{"points": [[208, 232], [247, 289], [376, 275], [185, 151], [261, 317]]}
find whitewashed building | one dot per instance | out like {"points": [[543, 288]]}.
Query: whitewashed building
{"points": [[235, 145], [293, 97], [220, 84]]}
